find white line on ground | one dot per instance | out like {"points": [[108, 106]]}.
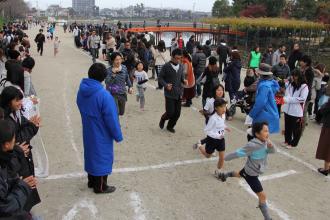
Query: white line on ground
{"points": [[83, 204], [136, 204], [135, 169], [68, 120], [277, 175], [270, 204]]}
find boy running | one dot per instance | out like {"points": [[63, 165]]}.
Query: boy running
{"points": [[256, 151]]}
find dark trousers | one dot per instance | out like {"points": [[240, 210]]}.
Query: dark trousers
{"points": [[222, 64], [198, 87], [279, 109], [293, 129], [40, 48], [158, 69], [98, 183], [173, 111]]}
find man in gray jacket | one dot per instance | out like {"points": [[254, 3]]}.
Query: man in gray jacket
{"points": [[93, 45], [171, 77]]}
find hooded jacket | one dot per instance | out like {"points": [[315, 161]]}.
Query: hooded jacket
{"points": [[233, 75], [265, 108], [14, 192], [199, 62], [100, 126], [295, 56], [256, 152]]}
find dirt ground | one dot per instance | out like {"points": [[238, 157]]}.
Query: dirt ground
{"points": [[157, 174]]}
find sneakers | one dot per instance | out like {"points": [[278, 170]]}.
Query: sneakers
{"points": [[284, 144], [220, 176], [171, 130], [197, 145], [289, 147]]}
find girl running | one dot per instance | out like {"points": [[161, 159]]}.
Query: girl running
{"points": [[141, 78], [215, 131]]}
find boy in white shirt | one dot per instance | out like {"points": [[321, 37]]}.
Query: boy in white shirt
{"points": [[215, 131]]}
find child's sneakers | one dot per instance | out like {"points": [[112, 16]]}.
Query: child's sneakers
{"points": [[220, 176], [197, 145]]}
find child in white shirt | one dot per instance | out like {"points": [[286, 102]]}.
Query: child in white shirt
{"points": [[56, 46], [215, 131], [141, 78]]}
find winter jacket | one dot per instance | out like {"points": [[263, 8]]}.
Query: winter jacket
{"points": [[100, 126], [190, 47], [116, 83], [14, 192], [265, 108], [40, 38], [161, 57], [20, 165], [223, 52], [199, 63], [281, 71], [233, 75], [25, 130], [168, 75], [268, 58], [256, 152], [294, 57], [309, 76], [295, 100], [212, 80]]}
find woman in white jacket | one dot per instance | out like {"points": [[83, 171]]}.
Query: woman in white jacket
{"points": [[161, 56], [295, 97]]}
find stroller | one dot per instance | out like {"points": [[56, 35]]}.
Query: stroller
{"points": [[245, 99], [242, 101]]}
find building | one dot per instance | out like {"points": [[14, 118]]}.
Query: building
{"points": [[84, 7]]}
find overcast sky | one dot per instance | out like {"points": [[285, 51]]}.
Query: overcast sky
{"points": [[201, 5]]}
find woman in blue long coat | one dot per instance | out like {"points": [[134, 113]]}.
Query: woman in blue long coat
{"points": [[265, 108], [100, 127]]}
